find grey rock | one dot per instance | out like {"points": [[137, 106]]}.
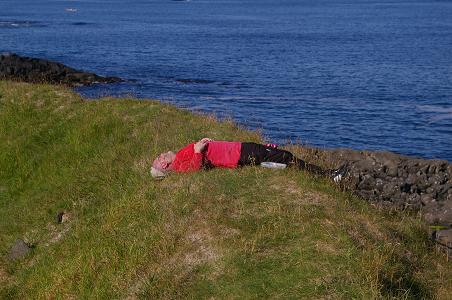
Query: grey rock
{"points": [[19, 250], [413, 201], [379, 184], [412, 179], [391, 170], [437, 179], [389, 189], [427, 199], [367, 183], [429, 216], [443, 238], [365, 165], [445, 189], [430, 190]]}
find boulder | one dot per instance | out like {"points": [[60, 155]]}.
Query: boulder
{"points": [[19, 250], [443, 238]]}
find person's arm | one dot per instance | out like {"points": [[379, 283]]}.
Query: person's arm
{"points": [[190, 158], [189, 162], [201, 145]]}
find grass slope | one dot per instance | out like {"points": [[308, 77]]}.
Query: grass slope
{"points": [[246, 233]]}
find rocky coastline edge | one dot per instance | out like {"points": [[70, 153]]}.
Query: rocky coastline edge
{"points": [[36, 70]]}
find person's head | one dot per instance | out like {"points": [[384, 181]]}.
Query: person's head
{"points": [[162, 164]]}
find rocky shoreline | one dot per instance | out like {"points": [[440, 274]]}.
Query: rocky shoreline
{"points": [[35, 70]]}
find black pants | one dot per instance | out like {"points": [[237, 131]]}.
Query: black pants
{"points": [[254, 154]]}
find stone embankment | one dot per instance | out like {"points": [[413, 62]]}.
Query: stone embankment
{"points": [[37, 70], [401, 182]]}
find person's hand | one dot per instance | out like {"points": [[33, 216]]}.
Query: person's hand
{"points": [[205, 140], [201, 145]]}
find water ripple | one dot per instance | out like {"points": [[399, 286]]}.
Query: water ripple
{"points": [[20, 24]]}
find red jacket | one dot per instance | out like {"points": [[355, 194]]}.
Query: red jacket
{"points": [[219, 153]]}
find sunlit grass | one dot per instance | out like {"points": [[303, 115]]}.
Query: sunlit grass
{"points": [[246, 233]]}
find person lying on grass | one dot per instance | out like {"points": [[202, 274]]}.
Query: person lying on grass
{"points": [[207, 154]]}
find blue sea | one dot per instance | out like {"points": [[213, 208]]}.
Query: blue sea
{"points": [[364, 74]]}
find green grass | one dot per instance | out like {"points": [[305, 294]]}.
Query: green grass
{"points": [[246, 233]]}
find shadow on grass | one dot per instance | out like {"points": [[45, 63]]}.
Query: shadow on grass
{"points": [[398, 281]]}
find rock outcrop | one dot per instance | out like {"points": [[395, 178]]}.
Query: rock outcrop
{"points": [[36, 70], [400, 181]]}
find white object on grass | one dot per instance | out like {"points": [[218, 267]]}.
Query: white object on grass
{"points": [[273, 165]]}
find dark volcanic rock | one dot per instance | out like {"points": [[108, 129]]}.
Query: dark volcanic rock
{"points": [[400, 181], [37, 70]]}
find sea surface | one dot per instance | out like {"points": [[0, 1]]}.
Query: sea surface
{"points": [[364, 74]]}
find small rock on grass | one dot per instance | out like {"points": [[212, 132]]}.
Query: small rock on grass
{"points": [[444, 236], [19, 250]]}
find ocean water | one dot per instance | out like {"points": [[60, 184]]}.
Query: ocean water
{"points": [[364, 74]]}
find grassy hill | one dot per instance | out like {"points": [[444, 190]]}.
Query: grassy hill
{"points": [[246, 233]]}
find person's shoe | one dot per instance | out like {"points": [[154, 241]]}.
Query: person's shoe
{"points": [[338, 174]]}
